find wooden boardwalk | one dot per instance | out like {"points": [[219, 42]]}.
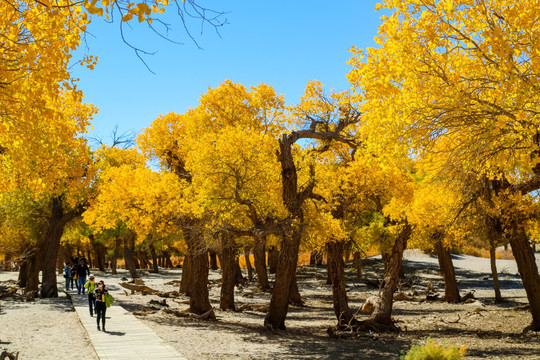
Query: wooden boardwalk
{"points": [[127, 338]]}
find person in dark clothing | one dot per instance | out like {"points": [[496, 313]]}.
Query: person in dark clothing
{"points": [[82, 272], [101, 308]]}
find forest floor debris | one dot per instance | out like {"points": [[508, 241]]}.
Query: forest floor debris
{"points": [[488, 329]]}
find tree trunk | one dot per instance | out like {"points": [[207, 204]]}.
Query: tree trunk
{"points": [[382, 315], [116, 252], [226, 300], [347, 251], [247, 252], [386, 261], [197, 275], [493, 262], [89, 259], [260, 263], [99, 251], [155, 267], [526, 262], [451, 291], [238, 277], [286, 270], [129, 256], [25, 270], [328, 275], [49, 244], [294, 297], [168, 262], [213, 259], [339, 293], [143, 260], [186, 273], [357, 261], [273, 256], [199, 301]]}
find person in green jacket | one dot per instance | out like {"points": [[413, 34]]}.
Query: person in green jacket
{"points": [[91, 286]]}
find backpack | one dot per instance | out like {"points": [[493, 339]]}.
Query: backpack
{"points": [[108, 300]]}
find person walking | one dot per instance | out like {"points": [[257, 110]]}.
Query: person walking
{"points": [[82, 271], [101, 308], [91, 286], [67, 275]]}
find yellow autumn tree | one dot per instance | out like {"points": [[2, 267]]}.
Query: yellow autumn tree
{"points": [[463, 72]]}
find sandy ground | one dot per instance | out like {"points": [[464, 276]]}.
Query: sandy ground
{"points": [[44, 329], [488, 330]]}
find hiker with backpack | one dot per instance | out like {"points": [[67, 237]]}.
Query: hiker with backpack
{"points": [[103, 301]]}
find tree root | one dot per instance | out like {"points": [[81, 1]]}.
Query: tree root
{"points": [[355, 327], [4, 354]]}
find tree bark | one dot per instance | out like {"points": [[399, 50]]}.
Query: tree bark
{"points": [[226, 300], [526, 262], [339, 293], [49, 244], [451, 291], [347, 251], [294, 297], [260, 263], [197, 275], [238, 277], [186, 273], [213, 259], [168, 263], [285, 273], [493, 263], [357, 260], [155, 267], [116, 252], [129, 256], [382, 315], [273, 256], [247, 252]]}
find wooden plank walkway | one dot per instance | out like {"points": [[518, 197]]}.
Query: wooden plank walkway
{"points": [[127, 338]]}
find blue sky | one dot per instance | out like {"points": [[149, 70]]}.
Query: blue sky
{"points": [[282, 43]]}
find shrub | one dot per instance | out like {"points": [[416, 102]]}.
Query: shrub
{"points": [[433, 351]]}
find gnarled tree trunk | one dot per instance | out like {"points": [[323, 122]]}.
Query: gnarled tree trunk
{"points": [[129, 256], [273, 255], [197, 258], [382, 315], [116, 253], [226, 300], [49, 243], [213, 259], [357, 261], [260, 263], [526, 262], [155, 267], [493, 263], [339, 293], [249, 268], [285, 274], [451, 291]]}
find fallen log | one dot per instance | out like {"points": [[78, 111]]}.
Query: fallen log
{"points": [[254, 307], [185, 313], [145, 290], [9, 292], [159, 303], [144, 311]]}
